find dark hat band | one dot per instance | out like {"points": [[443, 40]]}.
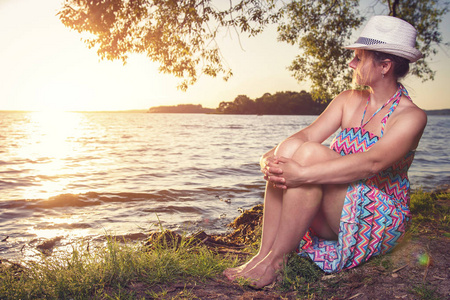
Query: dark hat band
{"points": [[368, 41]]}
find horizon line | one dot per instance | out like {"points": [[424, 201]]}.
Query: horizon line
{"points": [[141, 110]]}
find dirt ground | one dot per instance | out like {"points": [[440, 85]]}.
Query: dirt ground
{"points": [[417, 269]]}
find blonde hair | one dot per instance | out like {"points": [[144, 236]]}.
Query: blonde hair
{"points": [[363, 56], [400, 67]]}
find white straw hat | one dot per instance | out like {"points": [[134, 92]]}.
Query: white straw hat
{"points": [[389, 35]]}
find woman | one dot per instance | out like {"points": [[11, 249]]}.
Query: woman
{"points": [[340, 206]]}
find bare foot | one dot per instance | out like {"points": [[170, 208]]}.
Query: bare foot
{"points": [[269, 276], [233, 273], [263, 274]]}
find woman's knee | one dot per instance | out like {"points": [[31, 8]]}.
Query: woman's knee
{"points": [[312, 152], [288, 147]]}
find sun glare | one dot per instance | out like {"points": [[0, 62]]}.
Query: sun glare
{"points": [[50, 132], [56, 226], [49, 145]]}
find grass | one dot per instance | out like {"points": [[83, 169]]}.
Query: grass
{"points": [[85, 274], [426, 209], [112, 272], [425, 292], [298, 273]]}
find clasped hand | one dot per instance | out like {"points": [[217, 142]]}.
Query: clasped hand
{"points": [[281, 172]]}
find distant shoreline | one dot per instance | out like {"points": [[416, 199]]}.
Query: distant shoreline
{"points": [[438, 112], [433, 112]]}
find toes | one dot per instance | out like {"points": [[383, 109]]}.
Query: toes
{"points": [[230, 277], [232, 273]]}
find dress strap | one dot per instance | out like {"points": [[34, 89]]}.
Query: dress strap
{"points": [[395, 96], [394, 105]]}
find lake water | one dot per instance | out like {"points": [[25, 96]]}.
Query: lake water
{"points": [[77, 176]]}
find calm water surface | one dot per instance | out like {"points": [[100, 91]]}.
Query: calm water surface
{"points": [[77, 176]]}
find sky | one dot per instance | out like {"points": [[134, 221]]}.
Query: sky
{"points": [[46, 66]]}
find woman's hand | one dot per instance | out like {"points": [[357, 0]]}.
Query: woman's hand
{"points": [[272, 174], [264, 163], [283, 172]]}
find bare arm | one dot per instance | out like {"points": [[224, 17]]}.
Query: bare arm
{"points": [[324, 126], [403, 136]]}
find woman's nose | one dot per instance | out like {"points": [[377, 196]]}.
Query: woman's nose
{"points": [[352, 64]]}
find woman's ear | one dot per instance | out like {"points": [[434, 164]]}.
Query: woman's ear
{"points": [[386, 66]]}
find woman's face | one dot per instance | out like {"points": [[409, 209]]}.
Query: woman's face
{"points": [[363, 66]]}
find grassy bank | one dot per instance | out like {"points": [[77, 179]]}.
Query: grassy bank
{"points": [[108, 272], [173, 267]]}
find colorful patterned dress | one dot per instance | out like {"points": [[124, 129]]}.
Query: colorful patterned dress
{"points": [[376, 209]]}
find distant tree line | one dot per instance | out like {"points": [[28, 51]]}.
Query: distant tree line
{"points": [[182, 109], [438, 112], [281, 103]]}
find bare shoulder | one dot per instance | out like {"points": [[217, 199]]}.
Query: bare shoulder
{"points": [[408, 116], [352, 95], [349, 99], [350, 102], [406, 124], [407, 110]]}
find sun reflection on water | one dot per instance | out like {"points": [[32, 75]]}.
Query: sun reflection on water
{"points": [[50, 134], [48, 145], [51, 227], [55, 236]]}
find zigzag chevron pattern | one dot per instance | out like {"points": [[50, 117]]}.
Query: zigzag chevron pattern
{"points": [[353, 140], [375, 210]]}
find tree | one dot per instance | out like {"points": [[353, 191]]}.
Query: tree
{"points": [[320, 28], [180, 34], [426, 16], [281, 103]]}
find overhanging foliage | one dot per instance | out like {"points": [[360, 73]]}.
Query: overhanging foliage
{"points": [[180, 34]]}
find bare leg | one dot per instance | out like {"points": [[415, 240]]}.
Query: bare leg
{"points": [[272, 213], [301, 207], [271, 218], [297, 215]]}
